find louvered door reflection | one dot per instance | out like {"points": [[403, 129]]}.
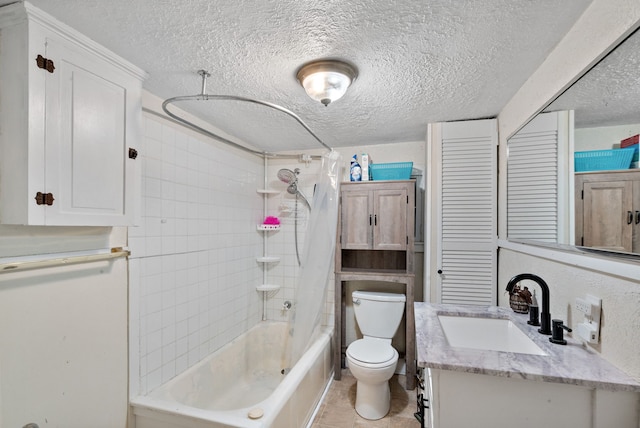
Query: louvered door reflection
{"points": [[538, 201]]}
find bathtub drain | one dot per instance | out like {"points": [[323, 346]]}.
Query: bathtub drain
{"points": [[255, 413]]}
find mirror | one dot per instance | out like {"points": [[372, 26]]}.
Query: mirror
{"points": [[549, 202]]}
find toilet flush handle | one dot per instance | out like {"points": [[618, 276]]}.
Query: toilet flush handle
{"points": [[356, 301]]}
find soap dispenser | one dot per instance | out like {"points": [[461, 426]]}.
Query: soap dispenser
{"points": [[534, 311]]}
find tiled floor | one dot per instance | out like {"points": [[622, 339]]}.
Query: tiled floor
{"points": [[338, 411]]}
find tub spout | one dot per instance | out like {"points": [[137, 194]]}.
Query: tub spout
{"points": [[545, 316]]}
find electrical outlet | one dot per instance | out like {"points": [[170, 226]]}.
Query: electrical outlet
{"points": [[596, 307], [591, 307], [582, 305]]}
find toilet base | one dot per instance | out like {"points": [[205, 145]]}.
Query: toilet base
{"points": [[373, 401]]}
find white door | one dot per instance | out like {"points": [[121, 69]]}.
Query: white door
{"points": [[466, 157]]}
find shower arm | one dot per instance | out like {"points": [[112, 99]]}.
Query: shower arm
{"points": [[203, 96]]}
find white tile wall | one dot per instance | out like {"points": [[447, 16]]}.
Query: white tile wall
{"points": [[193, 266], [193, 269]]}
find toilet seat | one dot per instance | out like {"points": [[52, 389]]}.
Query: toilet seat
{"points": [[372, 353]]}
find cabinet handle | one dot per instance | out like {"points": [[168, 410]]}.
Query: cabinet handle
{"points": [[375, 220], [637, 217], [629, 217], [369, 219]]}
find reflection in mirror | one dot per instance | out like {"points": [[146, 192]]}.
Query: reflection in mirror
{"points": [[593, 206]]}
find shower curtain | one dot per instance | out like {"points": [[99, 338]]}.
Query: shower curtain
{"points": [[317, 257]]}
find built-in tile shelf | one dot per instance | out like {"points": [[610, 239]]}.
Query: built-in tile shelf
{"points": [[267, 259], [268, 287], [268, 227]]}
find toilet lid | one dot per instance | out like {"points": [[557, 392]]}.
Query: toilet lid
{"points": [[370, 351]]}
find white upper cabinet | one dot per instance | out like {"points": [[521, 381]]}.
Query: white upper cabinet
{"points": [[70, 122]]}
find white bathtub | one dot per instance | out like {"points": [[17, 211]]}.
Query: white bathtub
{"points": [[242, 377]]}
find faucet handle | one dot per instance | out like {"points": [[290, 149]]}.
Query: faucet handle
{"points": [[557, 332]]}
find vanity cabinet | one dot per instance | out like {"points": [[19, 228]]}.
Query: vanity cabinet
{"points": [[71, 122], [608, 210], [375, 242]]}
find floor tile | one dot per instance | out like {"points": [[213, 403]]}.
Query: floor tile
{"points": [[338, 407]]}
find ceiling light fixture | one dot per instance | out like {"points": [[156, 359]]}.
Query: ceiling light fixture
{"points": [[326, 80]]}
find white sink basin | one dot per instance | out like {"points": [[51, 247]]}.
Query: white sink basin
{"points": [[490, 334]]}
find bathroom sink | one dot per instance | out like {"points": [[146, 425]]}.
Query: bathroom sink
{"points": [[492, 334]]}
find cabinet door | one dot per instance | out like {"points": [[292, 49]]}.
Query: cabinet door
{"points": [[86, 139], [357, 220], [390, 220], [606, 210], [635, 247]]}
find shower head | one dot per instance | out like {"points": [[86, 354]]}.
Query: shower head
{"points": [[287, 176], [291, 178]]}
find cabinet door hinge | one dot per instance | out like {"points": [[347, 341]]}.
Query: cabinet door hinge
{"points": [[44, 198], [45, 63]]}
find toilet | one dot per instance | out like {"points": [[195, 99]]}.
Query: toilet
{"points": [[372, 360]]}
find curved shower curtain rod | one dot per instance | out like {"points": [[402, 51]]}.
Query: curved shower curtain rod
{"points": [[203, 96]]}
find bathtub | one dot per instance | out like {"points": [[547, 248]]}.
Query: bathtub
{"points": [[243, 379]]}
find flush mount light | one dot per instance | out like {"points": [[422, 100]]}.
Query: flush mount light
{"points": [[326, 80]]}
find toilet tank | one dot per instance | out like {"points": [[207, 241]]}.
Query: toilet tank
{"points": [[378, 314]]}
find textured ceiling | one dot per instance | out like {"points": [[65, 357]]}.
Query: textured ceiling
{"points": [[418, 61], [609, 94]]}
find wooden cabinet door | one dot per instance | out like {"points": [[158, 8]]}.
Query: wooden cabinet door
{"points": [[607, 206], [390, 219], [86, 140], [357, 220]]}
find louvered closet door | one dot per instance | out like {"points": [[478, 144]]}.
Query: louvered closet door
{"points": [[468, 223], [536, 200]]}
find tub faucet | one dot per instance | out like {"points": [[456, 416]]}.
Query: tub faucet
{"points": [[545, 316]]}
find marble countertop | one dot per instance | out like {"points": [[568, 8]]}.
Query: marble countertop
{"points": [[574, 363]]}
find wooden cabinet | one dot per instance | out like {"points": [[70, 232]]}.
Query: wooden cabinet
{"points": [[376, 243], [608, 210], [374, 218], [71, 122]]}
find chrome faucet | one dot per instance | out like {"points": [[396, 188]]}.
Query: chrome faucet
{"points": [[545, 316]]}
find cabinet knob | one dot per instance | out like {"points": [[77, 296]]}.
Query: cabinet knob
{"points": [[637, 217], [629, 217], [133, 153], [439, 271]]}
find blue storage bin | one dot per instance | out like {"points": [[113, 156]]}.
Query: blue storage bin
{"points": [[391, 171], [603, 160]]}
